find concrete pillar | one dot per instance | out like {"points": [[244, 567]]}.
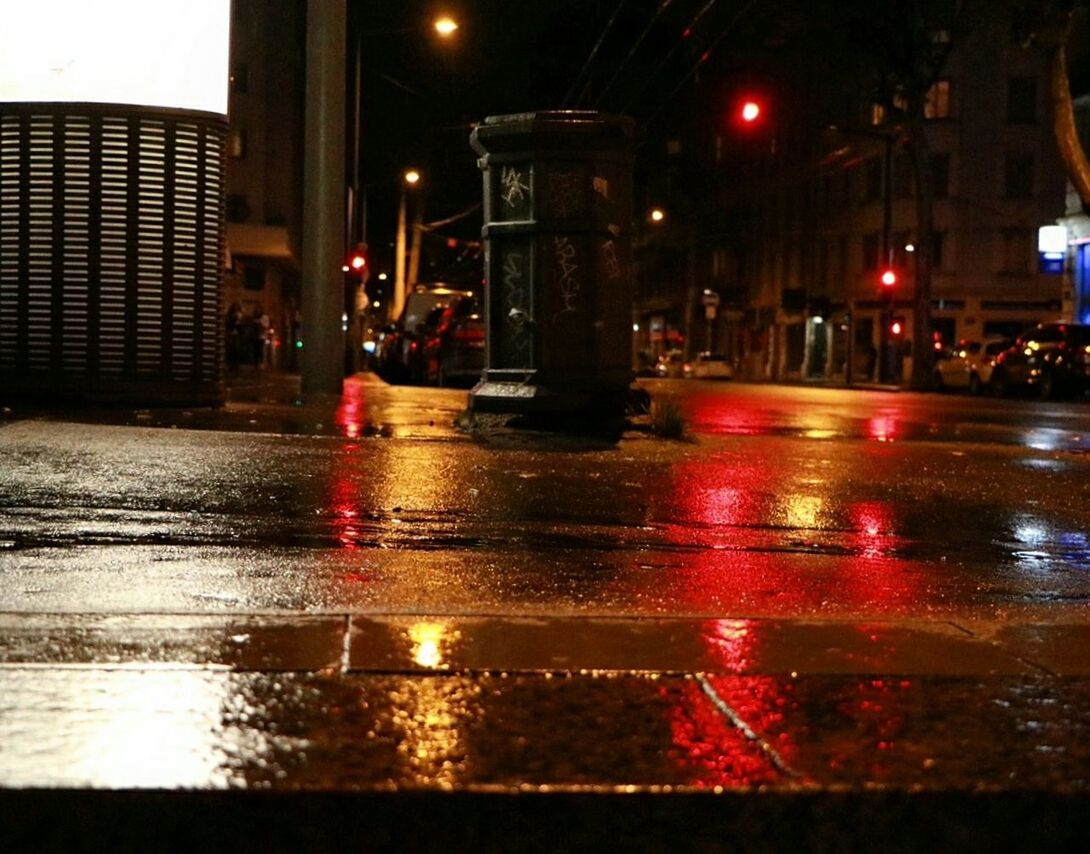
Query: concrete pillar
{"points": [[324, 199]]}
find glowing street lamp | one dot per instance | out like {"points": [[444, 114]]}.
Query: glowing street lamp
{"points": [[657, 215], [445, 26], [412, 177]]}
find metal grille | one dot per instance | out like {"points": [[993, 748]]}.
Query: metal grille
{"points": [[111, 246]]}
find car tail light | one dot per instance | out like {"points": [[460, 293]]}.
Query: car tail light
{"points": [[468, 335]]}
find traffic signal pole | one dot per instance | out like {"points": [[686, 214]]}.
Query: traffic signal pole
{"points": [[885, 362]]}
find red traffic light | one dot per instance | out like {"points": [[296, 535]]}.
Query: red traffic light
{"points": [[888, 278], [358, 261], [750, 111]]}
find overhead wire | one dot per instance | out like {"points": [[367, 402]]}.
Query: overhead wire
{"points": [[704, 56], [593, 53], [663, 6], [685, 34]]}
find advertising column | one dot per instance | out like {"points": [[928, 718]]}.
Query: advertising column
{"points": [[112, 135]]}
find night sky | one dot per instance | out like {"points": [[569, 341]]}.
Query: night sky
{"points": [[422, 95]]}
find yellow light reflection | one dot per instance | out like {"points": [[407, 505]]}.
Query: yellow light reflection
{"points": [[430, 716], [431, 643], [803, 511]]}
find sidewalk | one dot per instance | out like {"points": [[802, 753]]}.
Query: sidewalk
{"points": [[170, 681]]}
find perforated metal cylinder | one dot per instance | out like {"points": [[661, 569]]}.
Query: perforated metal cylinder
{"points": [[111, 252]]}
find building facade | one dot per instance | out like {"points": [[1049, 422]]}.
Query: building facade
{"points": [[261, 298], [795, 246]]}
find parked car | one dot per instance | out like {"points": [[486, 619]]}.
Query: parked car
{"points": [[969, 365], [1052, 357], [454, 348], [711, 366], [672, 364], [400, 356]]}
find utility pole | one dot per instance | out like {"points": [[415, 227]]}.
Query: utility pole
{"points": [[885, 363], [324, 199]]}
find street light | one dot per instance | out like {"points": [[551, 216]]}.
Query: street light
{"points": [[445, 26], [657, 215]]}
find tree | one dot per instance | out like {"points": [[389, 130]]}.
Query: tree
{"points": [[1051, 25]]}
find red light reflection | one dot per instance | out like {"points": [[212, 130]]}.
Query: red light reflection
{"points": [[708, 745], [351, 415]]}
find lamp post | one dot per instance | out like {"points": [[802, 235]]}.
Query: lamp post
{"points": [[410, 179]]}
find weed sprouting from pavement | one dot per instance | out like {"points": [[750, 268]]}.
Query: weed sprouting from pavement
{"points": [[668, 420]]}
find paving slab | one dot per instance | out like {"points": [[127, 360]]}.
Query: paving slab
{"points": [[429, 644], [239, 642]]}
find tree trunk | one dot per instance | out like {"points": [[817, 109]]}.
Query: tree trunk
{"points": [[1063, 123], [922, 347]]}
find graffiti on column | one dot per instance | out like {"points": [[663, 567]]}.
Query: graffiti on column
{"points": [[611, 264], [564, 193], [515, 311], [567, 273], [515, 187]]}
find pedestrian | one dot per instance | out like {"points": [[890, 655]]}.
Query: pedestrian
{"points": [[233, 335]]}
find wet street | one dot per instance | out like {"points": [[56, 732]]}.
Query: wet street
{"points": [[822, 593], [788, 502]]}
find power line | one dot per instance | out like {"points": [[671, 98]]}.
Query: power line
{"points": [[663, 6], [706, 55], [688, 31], [593, 53]]}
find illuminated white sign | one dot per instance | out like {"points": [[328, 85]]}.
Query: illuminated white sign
{"points": [[1052, 239], [153, 53]]}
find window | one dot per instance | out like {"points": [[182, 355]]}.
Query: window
{"points": [[940, 174], [1022, 100], [1016, 251], [1018, 176], [936, 103], [870, 251]]}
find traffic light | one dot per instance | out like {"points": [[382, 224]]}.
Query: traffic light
{"points": [[749, 112], [357, 261], [897, 329], [888, 278]]}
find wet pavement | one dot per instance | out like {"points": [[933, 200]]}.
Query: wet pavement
{"points": [[830, 614]]}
